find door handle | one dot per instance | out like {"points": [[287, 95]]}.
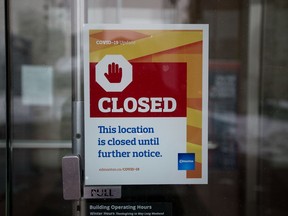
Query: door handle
{"points": [[71, 176]]}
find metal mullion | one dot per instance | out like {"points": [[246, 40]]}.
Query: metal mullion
{"points": [[255, 21], [78, 20], [9, 112]]}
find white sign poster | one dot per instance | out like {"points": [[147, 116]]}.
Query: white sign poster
{"points": [[146, 93]]}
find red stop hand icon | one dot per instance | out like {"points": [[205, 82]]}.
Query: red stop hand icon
{"points": [[114, 74]]}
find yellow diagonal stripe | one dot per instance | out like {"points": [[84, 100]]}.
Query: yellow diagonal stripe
{"points": [[197, 149], [150, 45], [194, 118], [173, 58]]}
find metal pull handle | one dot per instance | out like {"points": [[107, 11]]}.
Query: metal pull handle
{"points": [[71, 175]]}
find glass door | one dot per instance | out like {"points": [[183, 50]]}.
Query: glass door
{"points": [[248, 65], [38, 42]]}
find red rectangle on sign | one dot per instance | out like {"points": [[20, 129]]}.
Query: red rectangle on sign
{"points": [[156, 90]]}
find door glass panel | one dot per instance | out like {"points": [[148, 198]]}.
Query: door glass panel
{"points": [[274, 110], [245, 167], [227, 103], [41, 67]]}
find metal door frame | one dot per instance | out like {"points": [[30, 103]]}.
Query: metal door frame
{"points": [[8, 100]]}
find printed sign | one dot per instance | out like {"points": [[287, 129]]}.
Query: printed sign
{"points": [[129, 208], [145, 98]]}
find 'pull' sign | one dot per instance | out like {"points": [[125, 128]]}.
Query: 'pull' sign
{"points": [[112, 192]]}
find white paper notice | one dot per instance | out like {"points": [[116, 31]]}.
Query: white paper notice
{"points": [[37, 85]]}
